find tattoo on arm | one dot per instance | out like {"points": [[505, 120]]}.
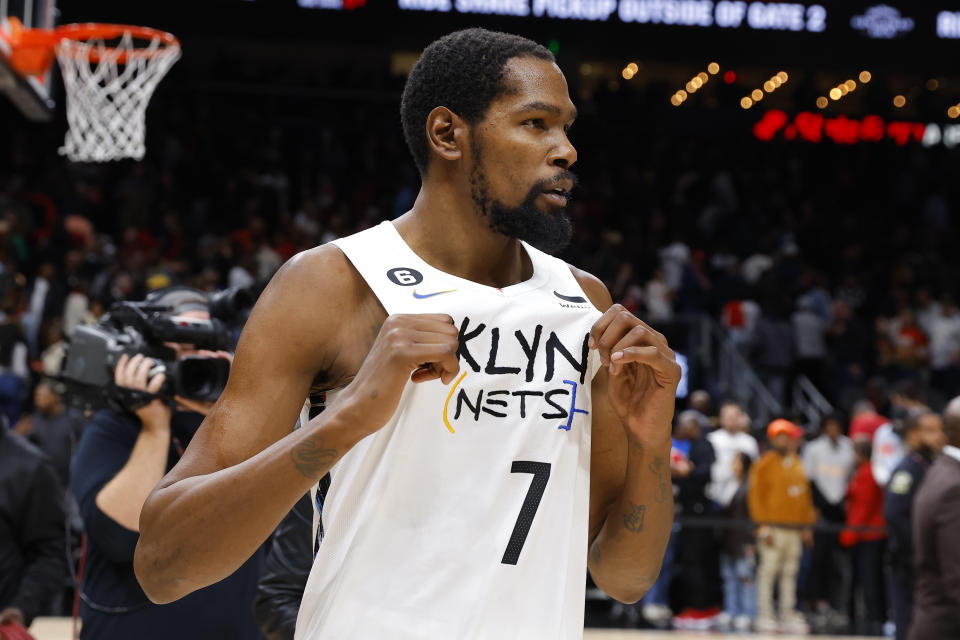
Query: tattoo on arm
{"points": [[658, 466], [633, 520], [311, 458], [372, 335], [595, 552]]}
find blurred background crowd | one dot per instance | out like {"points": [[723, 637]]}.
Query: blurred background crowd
{"points": [[832, 267], [810, 261]]}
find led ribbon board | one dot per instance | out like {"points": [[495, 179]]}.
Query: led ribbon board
{"points": [[880, 21], [786, 16], [816, 128]]}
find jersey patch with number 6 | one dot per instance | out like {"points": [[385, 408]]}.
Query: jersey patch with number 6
{"points": [[405, 277]]}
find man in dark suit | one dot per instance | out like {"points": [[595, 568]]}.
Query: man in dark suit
{"points": [[936, 532]]}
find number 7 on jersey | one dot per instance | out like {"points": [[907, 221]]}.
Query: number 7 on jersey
{"points": [[541, 473]]}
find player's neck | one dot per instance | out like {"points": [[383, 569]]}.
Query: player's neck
{"points": [[444, 229]]}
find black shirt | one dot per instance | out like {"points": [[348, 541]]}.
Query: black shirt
{"points": [[32, 544], [57, 436], [114, 607], [285, 575], [898, 501]]}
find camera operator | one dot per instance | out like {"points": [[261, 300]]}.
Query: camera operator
{"points": [[121, 457]]}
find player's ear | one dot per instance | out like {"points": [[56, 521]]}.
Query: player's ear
{"points": [[445, 131]]}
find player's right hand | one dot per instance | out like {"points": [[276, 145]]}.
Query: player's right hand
{"points": [[417, 347]]}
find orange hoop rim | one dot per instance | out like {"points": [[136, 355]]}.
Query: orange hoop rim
{"points": [[82, 31], [33, 49], [106, 31]]}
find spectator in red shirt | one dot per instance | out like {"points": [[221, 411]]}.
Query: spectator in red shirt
{"points": [[912, 346], [865, 509], [865, 420]]}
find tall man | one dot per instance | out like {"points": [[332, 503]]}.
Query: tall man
{"points": [[936, 531], [828, 462], [923, 436], [489, 413]]}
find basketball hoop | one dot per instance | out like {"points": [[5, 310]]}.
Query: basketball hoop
{"points": [[110, 72]]}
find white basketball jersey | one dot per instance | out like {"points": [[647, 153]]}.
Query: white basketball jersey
{"points": [[465, 516]]}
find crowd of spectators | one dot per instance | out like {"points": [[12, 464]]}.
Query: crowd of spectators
{"points": [[837, 262], [818, 519], [832, 261]]}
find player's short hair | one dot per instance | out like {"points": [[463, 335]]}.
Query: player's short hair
{"points": [[462, 71]]}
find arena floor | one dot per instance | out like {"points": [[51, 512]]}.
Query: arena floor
{"points": [[60, 628]]}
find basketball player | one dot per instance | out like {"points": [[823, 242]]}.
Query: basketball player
{"points": [[488, 415]]}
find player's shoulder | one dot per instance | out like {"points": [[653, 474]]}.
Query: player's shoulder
{"points": [[309, 296], [594, 288], [322, 274]]}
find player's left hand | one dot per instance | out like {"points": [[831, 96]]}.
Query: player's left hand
{"points": [[643, 374]]}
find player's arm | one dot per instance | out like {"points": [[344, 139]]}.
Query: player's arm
{"points": [[245, 468], [631, 496]]}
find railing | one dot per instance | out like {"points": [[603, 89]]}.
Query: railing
{"points": [[735, 379], [717, 364], [809, 402]]}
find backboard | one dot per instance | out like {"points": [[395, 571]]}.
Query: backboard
{"points": [[30, 93]]}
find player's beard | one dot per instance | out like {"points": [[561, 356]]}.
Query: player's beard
{"points": [[550, 231]]}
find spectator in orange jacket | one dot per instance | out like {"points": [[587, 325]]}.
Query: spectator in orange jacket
{"points": [[780, 502], [865, 509]]}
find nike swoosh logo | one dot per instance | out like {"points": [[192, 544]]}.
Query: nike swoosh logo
{"points": [[578, 299], [421, 296]]}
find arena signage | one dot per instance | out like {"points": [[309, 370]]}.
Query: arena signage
{"points": [[948, 24], [817, 127], [784, 16], [879, 21], [882, 22]]}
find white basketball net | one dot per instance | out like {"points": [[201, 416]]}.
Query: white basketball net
{"points": [[107, 99]]}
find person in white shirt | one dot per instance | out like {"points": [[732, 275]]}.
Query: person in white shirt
{"points": [[888, 446], [828, 461], [659, 297], [809, 334], [944, 331], [727, 441]]}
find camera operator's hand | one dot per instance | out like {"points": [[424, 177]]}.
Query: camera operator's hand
{"points": [[202, 406], [133, 373]]}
